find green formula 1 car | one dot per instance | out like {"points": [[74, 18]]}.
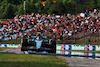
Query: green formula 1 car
{"points": [[38, 43]]}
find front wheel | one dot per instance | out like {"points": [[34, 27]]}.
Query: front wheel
{"points": [[26, 52]]}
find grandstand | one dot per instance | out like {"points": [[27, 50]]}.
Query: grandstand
{"points": [[60, 27]]}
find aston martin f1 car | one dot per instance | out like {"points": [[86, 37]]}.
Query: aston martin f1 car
{"points": [[38, 43]]}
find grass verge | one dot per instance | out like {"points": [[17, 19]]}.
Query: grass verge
{"points": [[92, 40], [3, 48], [21, 60], [13, 41]]}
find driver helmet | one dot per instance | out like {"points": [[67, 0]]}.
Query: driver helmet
{"points": [[38, 38]]}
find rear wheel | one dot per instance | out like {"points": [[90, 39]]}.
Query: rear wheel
{"points": [[24, 43], [53, 46]]}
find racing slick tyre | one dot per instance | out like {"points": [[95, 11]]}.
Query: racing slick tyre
{"points": [[24, 43], [53, 46]]}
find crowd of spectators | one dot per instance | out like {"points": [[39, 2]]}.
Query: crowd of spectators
{"points": [[54, 26]]}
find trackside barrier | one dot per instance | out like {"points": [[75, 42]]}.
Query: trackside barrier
{"points": [[63, 47], [77, 47], [97, 48], [11, 45], [2, 45], [86, 54]]}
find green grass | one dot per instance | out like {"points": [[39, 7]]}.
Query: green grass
{"points": [[19, 60], [15, 41], [3, 48], [93, 40]]}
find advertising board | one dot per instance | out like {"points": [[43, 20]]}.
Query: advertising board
{"points": [[60, 47], [13, 45], [2, 45], [77, 47], [67, 47], [90, 47], [97, 48]]}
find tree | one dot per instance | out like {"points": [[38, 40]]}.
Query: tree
{"points": [[30, 6], [16, 2], [97, 2], [19, 10], [48, 4], [58, 8], [7, 11], [15, 7], [39, 7]]}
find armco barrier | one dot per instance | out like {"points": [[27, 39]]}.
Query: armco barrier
{"points": [[90, 54], [11, 45], [79, 53], [97, 54], [77, 47]]}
